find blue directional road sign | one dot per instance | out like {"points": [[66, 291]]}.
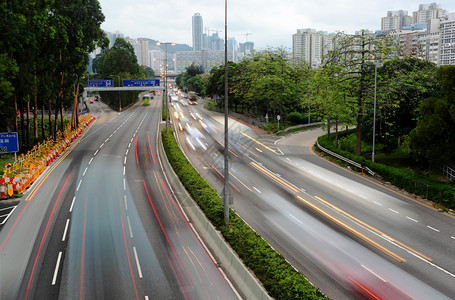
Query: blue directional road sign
{"points": [[100, 83], [9, 142], [136, 82]]}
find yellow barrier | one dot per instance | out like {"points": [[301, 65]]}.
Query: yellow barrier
{"points": [[29, 166]]}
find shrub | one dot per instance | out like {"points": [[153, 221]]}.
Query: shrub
{"points": [[295, 118], [407, 179], [279, 278]]}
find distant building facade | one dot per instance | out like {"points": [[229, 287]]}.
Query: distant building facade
{"points": [[427, 12], [395, 20], [447, 40], [207, 59], [197, 32], [310, 45]]}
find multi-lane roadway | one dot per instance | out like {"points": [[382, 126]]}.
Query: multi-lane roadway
{"points": [[103, 223], [353, 236]]}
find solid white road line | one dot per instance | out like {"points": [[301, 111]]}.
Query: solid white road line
{"points": [[412, 219], [72, 203], [79, 185], [137, 263], [432, 228], [129, 226], [66, 229], [54, 279]]}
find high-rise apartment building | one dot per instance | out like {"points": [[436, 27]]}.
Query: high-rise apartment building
{"points": [[395, 20], [144, 53], [447, 41], [427, 12], [197, 32], [311, 45], [113, 36]]}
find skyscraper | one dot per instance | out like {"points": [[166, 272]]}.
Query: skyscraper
{"points": [[197, 32], [311, 45]]}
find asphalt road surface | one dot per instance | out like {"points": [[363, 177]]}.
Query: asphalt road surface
{"points": [[353, 237], [102, 223]]}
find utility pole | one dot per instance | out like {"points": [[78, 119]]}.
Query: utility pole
{"points": [[226, 118], [165, 81]]}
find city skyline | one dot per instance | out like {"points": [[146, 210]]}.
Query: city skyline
{"points": [[269, 23]]}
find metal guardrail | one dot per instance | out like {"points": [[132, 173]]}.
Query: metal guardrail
{"points": [[448, 172], [351, 162], [302, 126]]}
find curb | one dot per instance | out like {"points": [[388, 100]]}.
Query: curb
{"points": [[231, 263]]}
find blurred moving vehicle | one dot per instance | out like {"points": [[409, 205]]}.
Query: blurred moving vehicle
{"points": [[195, 138], [173, 98], [192, 98], [146, 99], [184, 123], [184, 102]]}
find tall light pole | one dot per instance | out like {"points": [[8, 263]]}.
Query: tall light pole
{"points": [[309, 94], [226, 112], [376, 64], [165, 80]]}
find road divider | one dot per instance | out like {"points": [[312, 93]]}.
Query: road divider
{"points": [[20, 175], [279, 278], [234, 267]]}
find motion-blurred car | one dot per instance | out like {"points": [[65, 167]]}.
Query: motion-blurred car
{"points": [[195, 138], [184, 123]]}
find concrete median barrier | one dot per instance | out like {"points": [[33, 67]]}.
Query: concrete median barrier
{"points": [[242, 278]]}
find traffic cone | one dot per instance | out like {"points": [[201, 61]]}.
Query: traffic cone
{"points": [[15, 184], [2, 192]]}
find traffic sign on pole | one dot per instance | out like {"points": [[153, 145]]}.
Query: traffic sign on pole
{"points": [[100, 83], [136, 82], [9, 142]]}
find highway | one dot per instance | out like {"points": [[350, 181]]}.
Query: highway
{"points": [[103, 223], [353, 237]]}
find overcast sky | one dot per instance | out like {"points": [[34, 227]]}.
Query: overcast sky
{"points": [[271, 23]]}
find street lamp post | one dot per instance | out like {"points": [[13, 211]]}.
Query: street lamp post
{"points": [[165, 80], [226, 112], [376, 64]]}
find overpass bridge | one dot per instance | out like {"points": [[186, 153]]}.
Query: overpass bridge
{"points": [[124, 88]]}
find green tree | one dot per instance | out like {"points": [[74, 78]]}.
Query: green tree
{"points": [[148, 72], [119, 63], [402, 84], [356, 53], [432, 141], [118, 59]]}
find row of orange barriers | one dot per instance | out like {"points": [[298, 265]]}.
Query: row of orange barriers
{"points": [[20, 175]]}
